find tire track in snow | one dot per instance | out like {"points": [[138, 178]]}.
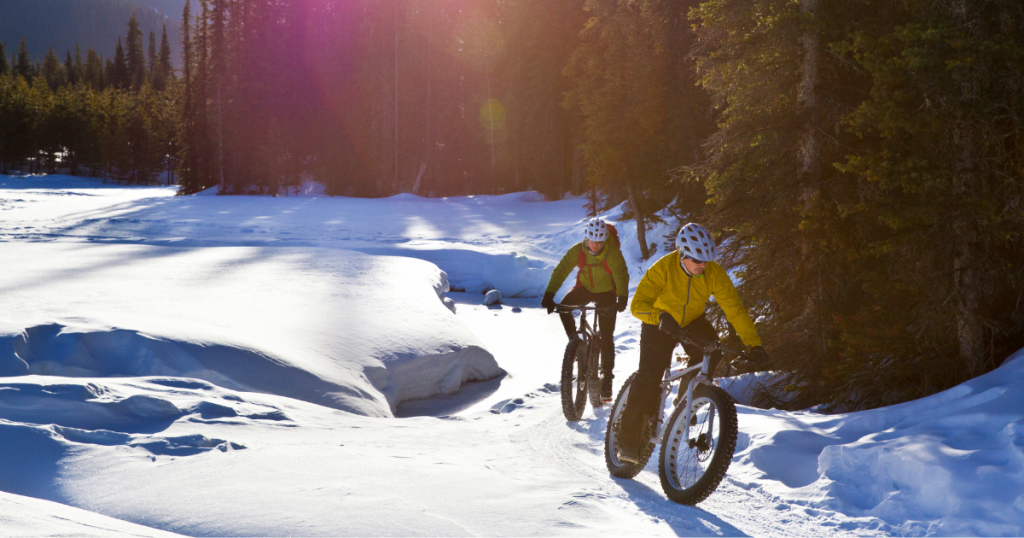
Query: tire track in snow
{"points": [[577, 449]]}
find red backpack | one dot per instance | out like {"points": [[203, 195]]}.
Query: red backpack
{"points": [[581, 260]]}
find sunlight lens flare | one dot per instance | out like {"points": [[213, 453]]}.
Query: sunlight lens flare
{"points": [[492, 114]]}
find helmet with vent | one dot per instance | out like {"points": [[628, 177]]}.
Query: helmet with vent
{"points": [[596, 231], [695, 242]]}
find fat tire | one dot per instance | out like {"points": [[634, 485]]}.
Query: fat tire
{"points": [[707, 478], [574, 395], [623, 469], [593, 375]]}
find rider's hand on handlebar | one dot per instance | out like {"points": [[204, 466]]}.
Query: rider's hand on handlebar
{"points": [[548, 302], [668, 324], [758, 357], [621, 303]]}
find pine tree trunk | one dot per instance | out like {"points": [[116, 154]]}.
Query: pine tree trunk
{"points": [[577, 164], [395, 187], [810, 144], [220, 136], [968, 327], [641, 226], [428, 135], [419, 178], [490, 114], [810, 179]]}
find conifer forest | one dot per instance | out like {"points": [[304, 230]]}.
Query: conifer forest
{"points": [[862, 160]]}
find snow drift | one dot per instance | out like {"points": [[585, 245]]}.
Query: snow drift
{"points": [[354, 332], [950, 464]]}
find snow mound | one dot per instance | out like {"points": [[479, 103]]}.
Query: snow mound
{"points": [[473, 271], [60, 184], [948, 464], [525, 197], [51, 418], [28, 517], [338, 328]]}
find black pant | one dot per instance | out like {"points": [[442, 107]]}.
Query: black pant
{"points": [[655, 356], [579, 296]]}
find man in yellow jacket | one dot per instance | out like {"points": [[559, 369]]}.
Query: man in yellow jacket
{"points": [[602, 279], [673, 294]]}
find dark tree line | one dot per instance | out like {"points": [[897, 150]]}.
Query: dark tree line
{"points": [[115, 117], [869, 166], [380, 97], [96, 24]]}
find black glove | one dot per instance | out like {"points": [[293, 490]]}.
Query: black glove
{"points": [[758, 357], [548, 302], [621, 303], [668, 324]]}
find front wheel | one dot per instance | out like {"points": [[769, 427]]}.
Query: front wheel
{"points": [[693, 465], [617, 467], [575, 378]]}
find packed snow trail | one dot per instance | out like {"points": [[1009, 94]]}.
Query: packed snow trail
{"points": [[123, 289]]}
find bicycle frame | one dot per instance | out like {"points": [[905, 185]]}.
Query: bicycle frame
{"points": [[705, 375], [585, 330]]}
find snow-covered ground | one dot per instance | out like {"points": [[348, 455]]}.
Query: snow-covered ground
{"points": [[226, 366]]}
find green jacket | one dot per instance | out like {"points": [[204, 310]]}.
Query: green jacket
{"points": [[593, 276]]}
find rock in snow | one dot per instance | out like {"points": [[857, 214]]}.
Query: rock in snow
{"points": [[492, 297]]}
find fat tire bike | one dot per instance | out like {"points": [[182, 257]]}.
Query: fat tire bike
{"points": [[581, 363], [699, 436]]}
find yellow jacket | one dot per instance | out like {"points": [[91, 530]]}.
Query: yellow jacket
{"points": [[667, 287]]}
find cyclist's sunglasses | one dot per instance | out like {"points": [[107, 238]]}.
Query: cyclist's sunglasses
{"points": [[696, 261]]}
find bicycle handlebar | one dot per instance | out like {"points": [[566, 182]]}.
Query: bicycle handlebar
{"points": [[568, 309], [683, 336]]}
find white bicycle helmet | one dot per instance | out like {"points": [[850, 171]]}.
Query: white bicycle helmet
{"points": [[596, 231], [694, 241]]}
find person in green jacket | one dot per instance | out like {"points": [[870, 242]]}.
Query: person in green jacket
{"points": [[602, 279]]}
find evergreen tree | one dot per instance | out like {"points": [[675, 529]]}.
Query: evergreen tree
{"points": [[164, 57], [121, 76], [630, 69], [136, 58], [939, 188], [77, 72], [543, 133], [151, 57], [93, 70], [3, 60], [769, 177], [69, 69], [109, 75], [218, 69], [188, 168], [23, 65], [53, 72]]}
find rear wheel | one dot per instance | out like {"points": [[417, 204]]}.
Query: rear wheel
{"points": [[618, 468], [692, 465], [575, 379]]}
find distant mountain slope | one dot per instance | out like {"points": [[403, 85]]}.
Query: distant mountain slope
{"points": [[96, 24], [171, 8]]}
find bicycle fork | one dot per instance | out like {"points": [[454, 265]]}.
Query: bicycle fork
{"points": [[666, 390]]}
